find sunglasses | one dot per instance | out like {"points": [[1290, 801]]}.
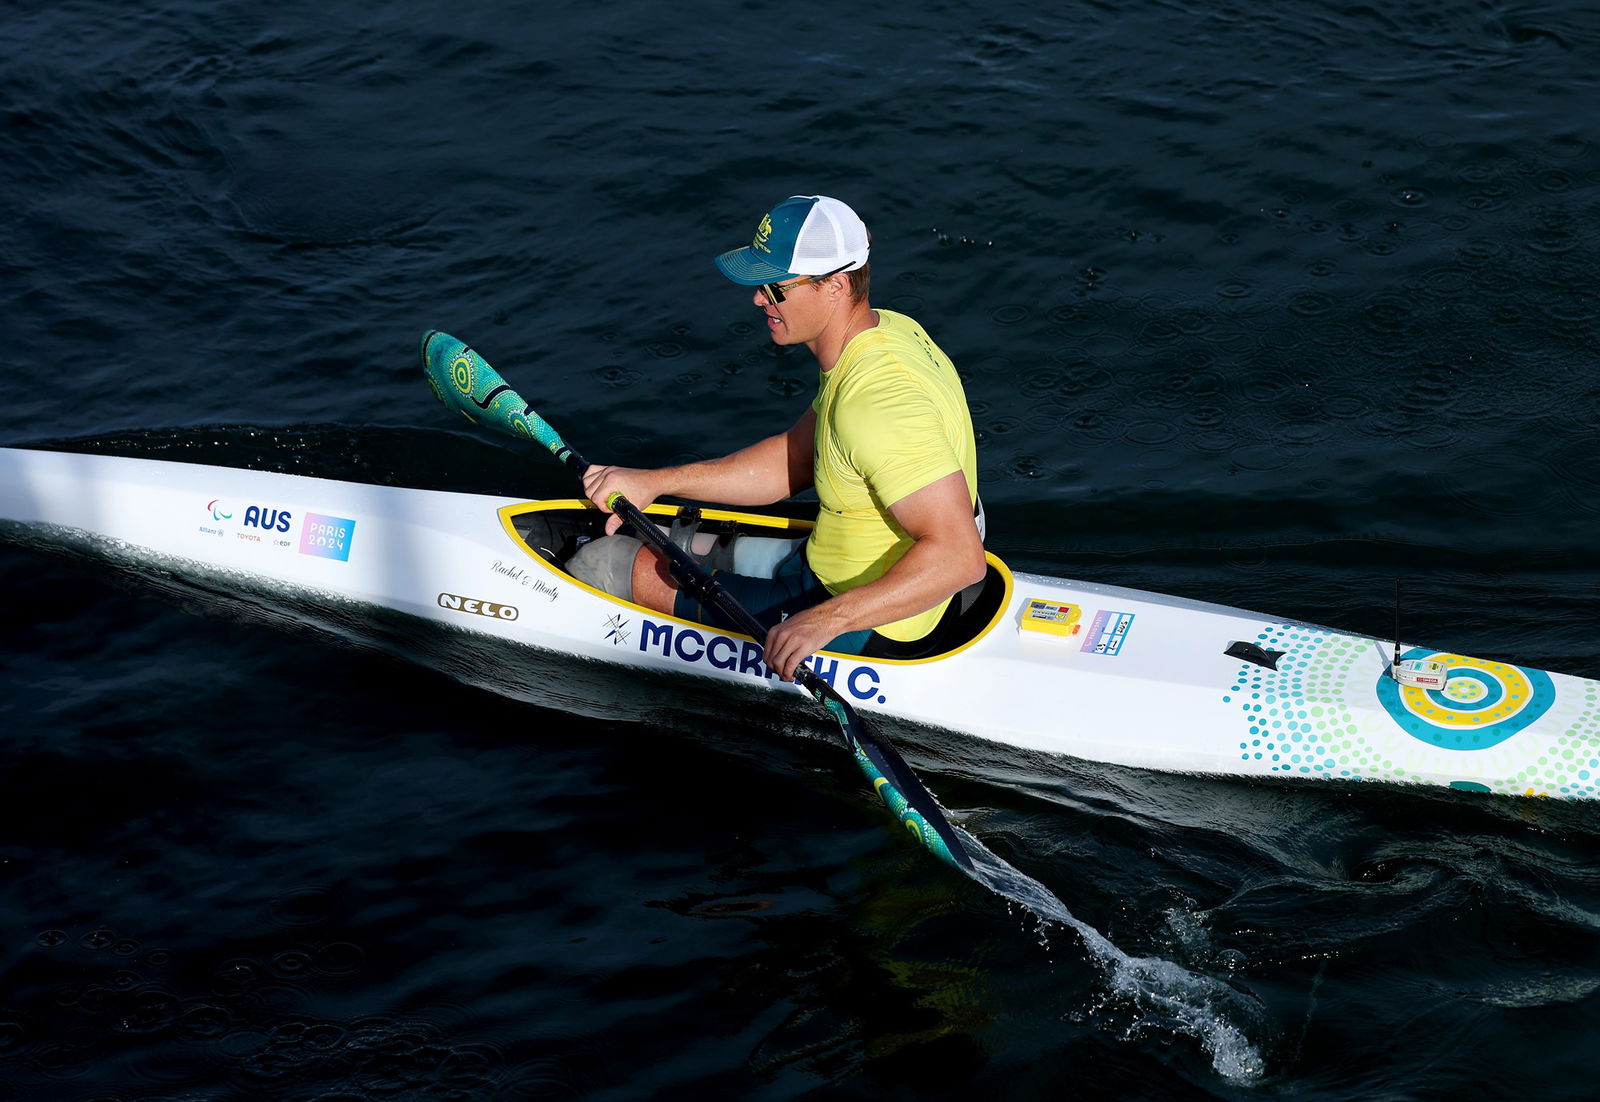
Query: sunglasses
{"points": [[774, 291]]}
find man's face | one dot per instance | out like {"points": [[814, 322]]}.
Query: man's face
{"points": [[802, 313]]}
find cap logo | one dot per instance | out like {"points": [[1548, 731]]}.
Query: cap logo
{"points": [[763, 234]]}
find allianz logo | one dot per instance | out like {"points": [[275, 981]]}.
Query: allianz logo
{"points": [[477, 607]]}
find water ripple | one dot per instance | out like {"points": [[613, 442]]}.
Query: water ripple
{"points": [[1041, 383], [1097, 424], [1309, 303], [1259, 457], [1150, 434], [1270, 387], [1027, 467], [1081, 319], [1477, 252], [1079, 378], [1501, 485], [617, 376], [1046, 418]]}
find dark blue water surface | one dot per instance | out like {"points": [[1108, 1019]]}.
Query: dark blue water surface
{"points": [[1274, 305]]}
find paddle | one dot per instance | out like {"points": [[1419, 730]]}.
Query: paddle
{"points": [[463, 381]]}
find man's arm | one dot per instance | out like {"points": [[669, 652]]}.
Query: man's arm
{"points": [[946, 557], [767, 471]]}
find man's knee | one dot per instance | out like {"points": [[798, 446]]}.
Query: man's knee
{"points": [[607, 564]]}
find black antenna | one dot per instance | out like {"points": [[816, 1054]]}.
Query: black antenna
{"points": [[1394, 667]]}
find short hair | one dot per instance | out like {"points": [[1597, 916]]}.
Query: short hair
{"points": [[860, 282]]}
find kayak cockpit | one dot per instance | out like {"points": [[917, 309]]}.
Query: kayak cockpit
{"points": [[552, 531]]}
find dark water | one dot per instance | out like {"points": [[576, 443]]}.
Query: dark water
{"points": [[1268, 305]]}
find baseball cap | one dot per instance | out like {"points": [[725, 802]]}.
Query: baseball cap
{"points": [[803, 235]]}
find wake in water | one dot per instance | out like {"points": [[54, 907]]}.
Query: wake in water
{"points": [[1194, 1005]]}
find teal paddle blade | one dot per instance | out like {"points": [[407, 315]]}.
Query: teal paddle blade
{"points": [[462, 380], [900, 790]]}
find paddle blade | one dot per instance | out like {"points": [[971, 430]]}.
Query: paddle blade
{"points": [[899, 789], [465, 382]]}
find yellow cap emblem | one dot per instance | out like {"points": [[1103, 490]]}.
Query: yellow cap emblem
{"points": [[763, 233]]}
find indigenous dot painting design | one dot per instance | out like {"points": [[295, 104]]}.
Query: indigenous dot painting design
{"points": [[1324, 712], [1481, 705], [462, 380]]}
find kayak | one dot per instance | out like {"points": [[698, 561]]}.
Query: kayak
{"points": [[1072, 668]]}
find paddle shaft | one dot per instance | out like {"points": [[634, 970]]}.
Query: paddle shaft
{"points": [[691, 575]]}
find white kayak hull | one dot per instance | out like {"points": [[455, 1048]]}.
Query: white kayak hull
{"points": [[1138, 679]]}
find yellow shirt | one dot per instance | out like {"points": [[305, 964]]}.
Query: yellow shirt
{"points": [[891, 418]]}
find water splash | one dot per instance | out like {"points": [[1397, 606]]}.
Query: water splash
{"points": [[1163, 993]]}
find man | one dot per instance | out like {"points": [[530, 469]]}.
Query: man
{"points": [[888, 444]]}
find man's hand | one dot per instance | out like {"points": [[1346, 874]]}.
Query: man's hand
{"points": [[792, 641], [600, 483], [946, 556]]}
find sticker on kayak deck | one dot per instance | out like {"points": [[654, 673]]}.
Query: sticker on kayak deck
{"points": [[477, 607], [618, 633], [266, 525], [1107, 633], [219, 512], [745, 656], [327, 537]]}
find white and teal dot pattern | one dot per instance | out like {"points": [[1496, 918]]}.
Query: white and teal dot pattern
{"points": [[1329, 710]]}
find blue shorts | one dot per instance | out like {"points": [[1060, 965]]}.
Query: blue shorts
{"points": [[792, 588]]}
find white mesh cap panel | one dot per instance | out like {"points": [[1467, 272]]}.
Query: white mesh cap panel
{"points": [[832, 236]]}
